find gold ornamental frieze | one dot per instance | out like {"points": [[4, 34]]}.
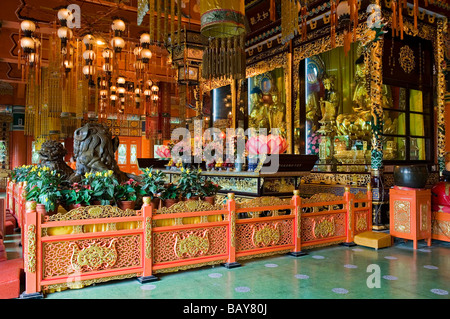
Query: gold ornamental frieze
{"points": [[324, 227], [189, 206], [92, 212], [361, 223], [265, 235], [31, 249], [191, 245], [406, 59], [93, 256], [402, 216]]}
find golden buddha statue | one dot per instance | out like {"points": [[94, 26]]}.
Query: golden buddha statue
{"points": [[277, 113], [259, 117], [329, 105]]}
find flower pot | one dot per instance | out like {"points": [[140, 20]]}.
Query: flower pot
{"points": [[155, 203], [413, 176], [210, 199], [40, 208], [193, 198], [126, 204], [170, 202]]}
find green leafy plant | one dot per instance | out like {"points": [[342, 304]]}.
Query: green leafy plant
{"points": [[20, 173], [44, 187], [127, 191], [152, 182], [190, 184], [101, 186], [209, 188], [77, 194], [170, 191]]}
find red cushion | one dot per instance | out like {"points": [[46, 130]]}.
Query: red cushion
{"points": [[9, 228], [10, 274]]}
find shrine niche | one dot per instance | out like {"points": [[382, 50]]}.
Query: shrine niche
{"points": [[94, 149]]}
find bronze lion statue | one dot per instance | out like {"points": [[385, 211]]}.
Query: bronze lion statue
{"points": [[52, 155], [93, 149]]}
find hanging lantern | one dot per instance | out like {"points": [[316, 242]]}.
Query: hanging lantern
{"points": [[88, 70], [118, 26], [222, 18], [28, 27], [89, 41], [121, 80], [27, 44], [155, 89], [118, 44], [146, 55], [64, 15], [68, 65], [107, 53], [89, 56], [145, 39]]}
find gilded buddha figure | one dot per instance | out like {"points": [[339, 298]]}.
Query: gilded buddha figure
{"points": [[259, 117], [329, 106], [277, 113]]}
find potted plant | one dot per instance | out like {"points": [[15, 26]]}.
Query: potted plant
{"points": [[152, 183], [43, 187], [126, 194], [20, 173], [210, 190], [76, 195], [189, 183], [101, 186], [170, 195]]}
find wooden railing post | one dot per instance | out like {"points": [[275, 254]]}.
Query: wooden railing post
{"points": [[350, 227], [297, 229], [31, 255], [147, 258], [231, 207]]}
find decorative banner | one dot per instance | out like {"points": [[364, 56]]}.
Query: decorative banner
{"points": [[222, 18]]}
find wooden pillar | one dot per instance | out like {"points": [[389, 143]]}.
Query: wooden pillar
{"points": [[147, 257], [297, 229], [31, 253], [231, 207]]}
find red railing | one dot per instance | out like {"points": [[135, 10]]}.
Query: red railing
{"points": [[99, 243]]}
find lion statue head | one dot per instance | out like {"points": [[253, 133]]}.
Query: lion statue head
{"points": [[93, 149], [52, 155]]}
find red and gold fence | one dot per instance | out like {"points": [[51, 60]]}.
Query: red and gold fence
{"points": [[99, 243]]}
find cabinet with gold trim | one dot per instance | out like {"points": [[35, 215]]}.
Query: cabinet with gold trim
{"points": [[410, 214]]}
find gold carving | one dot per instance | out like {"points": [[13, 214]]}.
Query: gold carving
{"points": [[93, 256], [406, 59], [424, 217], [192, 245], [189, 206], [402, 216], [324, 228], [263, 201], [322, 197], [148, 238], [361, 223], [92, 212], [31, 249], [265, 235], [233, 229]]}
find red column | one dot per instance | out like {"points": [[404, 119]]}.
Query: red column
{"points": [[147, 257]]}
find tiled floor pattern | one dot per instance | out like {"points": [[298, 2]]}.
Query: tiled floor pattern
{"points": [[335, 272]]}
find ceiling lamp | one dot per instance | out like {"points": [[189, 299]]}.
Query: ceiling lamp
{"points": [[28, 27], [118, 44], [145, 39], [89, 41], [27, 44], [118, 26], [64, 15], [146, 55], [89, 56]]}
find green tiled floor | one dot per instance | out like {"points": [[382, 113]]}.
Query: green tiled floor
{"points": [[335, 272]]}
